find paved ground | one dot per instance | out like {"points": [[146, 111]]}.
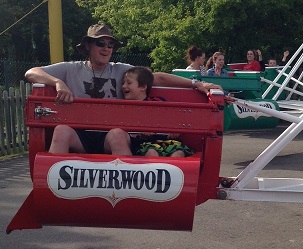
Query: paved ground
{"points": [[217, 224]]}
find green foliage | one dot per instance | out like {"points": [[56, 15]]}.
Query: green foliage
{"points": [[162, 28], [75, 23], [28, 40], [17, 42], [165, 29]]}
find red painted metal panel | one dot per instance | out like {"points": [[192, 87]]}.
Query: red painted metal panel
{"points": [[131, 115], [87, 190]]}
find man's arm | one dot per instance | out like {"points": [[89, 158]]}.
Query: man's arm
{"points": [[38, 75], [170, 80]]}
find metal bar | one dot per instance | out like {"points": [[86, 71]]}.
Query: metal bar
{"points": [[271, 112], [269, 189], [274, 148], [298, 81], [282, 71], [279, 85], [268, 154], [291, 73]]}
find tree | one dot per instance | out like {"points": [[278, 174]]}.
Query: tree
{"points": [[28, 40], [162, 28], [16, 42], [166, 28]]}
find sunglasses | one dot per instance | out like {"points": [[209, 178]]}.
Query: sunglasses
{"points": [[102, 44]]}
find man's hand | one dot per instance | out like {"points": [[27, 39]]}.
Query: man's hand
{"points": [[64, 95]]}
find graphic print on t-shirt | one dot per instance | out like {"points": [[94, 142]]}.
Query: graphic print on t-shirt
{"points": [[101, 88]]}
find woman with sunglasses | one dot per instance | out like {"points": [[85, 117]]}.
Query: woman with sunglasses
{"points": [[96, 77]]}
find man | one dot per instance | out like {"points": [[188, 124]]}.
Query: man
{"points": [[95, 78]]}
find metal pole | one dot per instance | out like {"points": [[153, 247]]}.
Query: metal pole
{"points": [[55, 31], [280, 74], [267, 155]]}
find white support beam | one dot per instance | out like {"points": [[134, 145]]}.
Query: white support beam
{"points": [[268, 189], [241, 185]]}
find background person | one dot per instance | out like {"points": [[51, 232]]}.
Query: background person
{"points": [[195, 58], [272, 62], [254, 61], [216, 64]]}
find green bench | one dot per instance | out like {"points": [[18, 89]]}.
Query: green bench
{"points": [[245, 85], [248, 84]]}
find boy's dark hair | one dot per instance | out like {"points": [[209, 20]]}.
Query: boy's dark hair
{"points": [[145, 77], [272, 59]]}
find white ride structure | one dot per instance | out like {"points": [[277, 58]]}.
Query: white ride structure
{"points": [[247, 186]]}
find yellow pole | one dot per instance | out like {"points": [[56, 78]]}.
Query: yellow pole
{"points": [[55, 31]]}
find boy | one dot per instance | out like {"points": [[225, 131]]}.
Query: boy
{"points": [[137, 84]]}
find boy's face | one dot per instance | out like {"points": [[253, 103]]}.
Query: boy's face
{"points": [[272, 63], [131, 89]]}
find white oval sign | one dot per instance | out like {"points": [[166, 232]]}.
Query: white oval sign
{"points": [[244, 112], [115, 180]]}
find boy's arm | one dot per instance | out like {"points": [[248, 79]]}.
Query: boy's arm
{"points": [[170, 80]]}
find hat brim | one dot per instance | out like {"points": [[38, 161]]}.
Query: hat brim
{"points": [[82, 49]]}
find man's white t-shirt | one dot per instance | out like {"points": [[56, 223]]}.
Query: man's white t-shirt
{"points": [[86, 83]]}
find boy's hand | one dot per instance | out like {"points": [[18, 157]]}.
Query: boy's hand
{"points": [[173, 135], [205, 87]]}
